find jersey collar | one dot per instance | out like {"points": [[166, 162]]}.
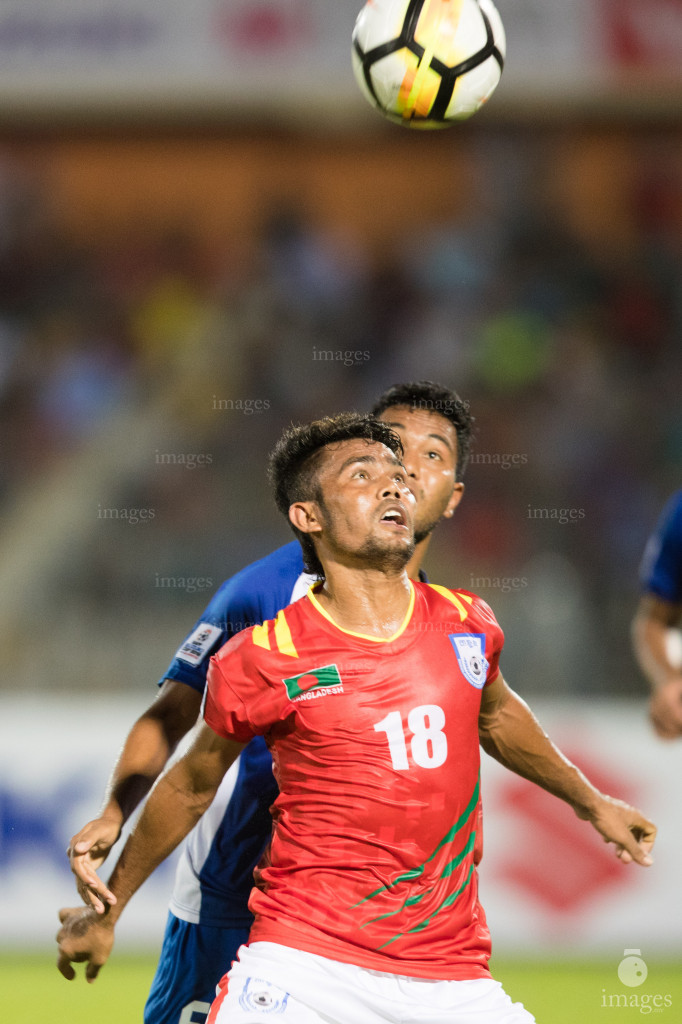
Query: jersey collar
{"points": [[363, 636]]}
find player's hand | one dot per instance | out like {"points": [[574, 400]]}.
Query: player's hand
{"points": [[87, 851], [85, 937], [665, 709], [632, 834]]}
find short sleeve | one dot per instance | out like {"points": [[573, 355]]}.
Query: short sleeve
{"points": [[227, 612], [224, 711], [494, 644], [494, 637], [478, 642], [242, 699], [254, 594], [661, 568]]}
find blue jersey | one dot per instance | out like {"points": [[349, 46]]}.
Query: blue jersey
{"points": [[215, 872], [661, 570]]}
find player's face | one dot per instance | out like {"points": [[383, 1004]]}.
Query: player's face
{"points": [[430, 443], [366, 506]]}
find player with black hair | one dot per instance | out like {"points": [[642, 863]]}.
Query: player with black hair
{"points": [[425, 396], [373, 694], [208, 917], [293, 466]]}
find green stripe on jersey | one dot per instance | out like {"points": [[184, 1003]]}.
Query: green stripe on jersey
{"points": [[447, 902], [451, 866], [414, 873]]}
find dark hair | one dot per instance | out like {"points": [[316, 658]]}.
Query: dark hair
{"points": [[424, 394], [294, 462]]}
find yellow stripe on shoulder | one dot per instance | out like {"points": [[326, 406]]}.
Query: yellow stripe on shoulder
{"points": [[283, 636], [260, 636], [455, 599]]}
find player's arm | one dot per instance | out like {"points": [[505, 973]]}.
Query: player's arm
{"points": [[148, 746], [510, 733], [651, 626], [174, 806]]}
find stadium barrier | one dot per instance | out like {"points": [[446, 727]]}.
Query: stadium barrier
{"points": [[548, 883]]}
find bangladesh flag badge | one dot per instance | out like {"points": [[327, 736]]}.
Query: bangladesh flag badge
{"points": [[316, 682]]}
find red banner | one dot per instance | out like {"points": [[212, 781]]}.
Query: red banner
{"points": [[646, 35]]}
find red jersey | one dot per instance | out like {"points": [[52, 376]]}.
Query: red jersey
{"points": [[376, 753]]}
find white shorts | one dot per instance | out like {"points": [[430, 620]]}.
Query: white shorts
{"points": [[274, 983]]}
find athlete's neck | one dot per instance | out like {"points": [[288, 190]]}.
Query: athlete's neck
{"points": [[415, 563], [365, 601]]}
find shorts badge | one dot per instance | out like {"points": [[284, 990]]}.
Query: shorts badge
{"points": [[263, 997]]}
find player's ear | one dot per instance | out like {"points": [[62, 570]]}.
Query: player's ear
{"points": [[305, 517], [455, 498]]}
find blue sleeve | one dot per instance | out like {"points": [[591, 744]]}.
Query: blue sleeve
{"points": [[661, 569], [256, 593]]}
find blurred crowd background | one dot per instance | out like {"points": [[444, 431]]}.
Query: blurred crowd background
{"points": [[173, 294]]}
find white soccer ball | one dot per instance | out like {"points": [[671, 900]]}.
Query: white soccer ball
{"points": [[428, 63]]}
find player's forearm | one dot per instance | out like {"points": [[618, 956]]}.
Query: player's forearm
{"points": [[172, 810], [650, 643], [514, 737], [149, 745], [143, 758]]}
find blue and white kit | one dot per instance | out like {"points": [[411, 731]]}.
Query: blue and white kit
{"points": [[208, 914], [661, 569]]}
